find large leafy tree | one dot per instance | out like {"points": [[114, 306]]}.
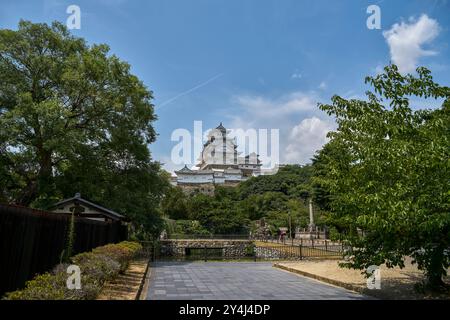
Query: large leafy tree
{"points": [[280, 199], [175, 204], [391, 177], [291, 180], [219, 214], [319, 184], [73, 118]]}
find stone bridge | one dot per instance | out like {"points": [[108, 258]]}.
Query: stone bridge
{"points": [[228, 248]]}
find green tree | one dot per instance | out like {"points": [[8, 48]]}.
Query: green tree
{"points": [[174, 205], [73, 118], [320, 189], [186, 227], [392, 177], [291, 180], [219, 214], [252, 207], [199, 204]]}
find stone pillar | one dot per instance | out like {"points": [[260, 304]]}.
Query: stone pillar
{"points": [[312, 227]]}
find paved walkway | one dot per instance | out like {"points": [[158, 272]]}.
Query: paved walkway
{"points": [[236, 281]]}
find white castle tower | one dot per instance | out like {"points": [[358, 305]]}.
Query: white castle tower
{"points": [[219, 163]]}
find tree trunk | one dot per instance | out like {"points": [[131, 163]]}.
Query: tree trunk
{"points": [[435, 270], [28, 194], [45, 172], [42, 183]]}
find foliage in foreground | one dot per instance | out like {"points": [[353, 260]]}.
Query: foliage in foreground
{"points": [[101, 264], [73, 118], [387, 171]]}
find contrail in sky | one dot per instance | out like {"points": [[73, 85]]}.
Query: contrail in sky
{"points": [[191, 90]]}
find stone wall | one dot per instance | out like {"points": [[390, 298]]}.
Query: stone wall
{"points": [[190, 188], [304, 234], [205, 188], [269, 253], [230, 248]]}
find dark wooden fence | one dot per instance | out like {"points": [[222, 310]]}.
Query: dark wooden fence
{"points": [[31, 241]]}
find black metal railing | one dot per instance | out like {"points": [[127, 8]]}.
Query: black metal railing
{"points": [[298, 252], [207, 236], [255, 252], [296, 242]]}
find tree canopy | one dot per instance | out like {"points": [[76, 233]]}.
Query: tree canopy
{"points": [[280, 199], [74, 119], [387, 173], [291, 180]]}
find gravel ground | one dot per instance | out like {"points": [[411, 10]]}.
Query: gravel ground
{"points": [[396, 283], [126, 285]]}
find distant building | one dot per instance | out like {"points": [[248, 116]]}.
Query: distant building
{"points": [[86, 209], [219, 164]]}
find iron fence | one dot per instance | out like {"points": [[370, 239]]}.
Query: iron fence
{"points": [[253, 252], [207, 237], [301, 241]]}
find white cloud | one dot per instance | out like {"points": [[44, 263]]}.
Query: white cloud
{"points": [[296, 115], [306, 138], [405, 41], [296, 75], [289, 104], [302, 126], [323, 85], [378, 69]]}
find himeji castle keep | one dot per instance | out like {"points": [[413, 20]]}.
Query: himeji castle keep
{"points": [[219, 164]]}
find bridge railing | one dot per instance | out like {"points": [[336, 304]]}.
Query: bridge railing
{"points": [[256, 252], [207, 236]]}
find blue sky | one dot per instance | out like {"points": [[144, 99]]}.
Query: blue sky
{"points": [[254, 63]]}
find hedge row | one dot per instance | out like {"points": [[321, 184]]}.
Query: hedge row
{"points": [[101, 264]]}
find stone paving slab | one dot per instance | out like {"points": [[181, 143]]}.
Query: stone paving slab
{"points": [[236, 281]]}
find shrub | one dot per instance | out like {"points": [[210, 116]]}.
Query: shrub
{"points": [[101, 264], [43, 287], [250, 250]]}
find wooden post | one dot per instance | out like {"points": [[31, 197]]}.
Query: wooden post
{"points": [[326, 247], [301, 253], [205, 253]]}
